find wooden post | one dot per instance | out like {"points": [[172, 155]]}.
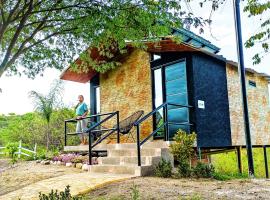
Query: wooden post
{"points": [[265, 162], [20, 149], [35, 150], [239, 159]]}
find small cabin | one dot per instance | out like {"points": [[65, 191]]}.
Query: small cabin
{"points": [[203, 90]]}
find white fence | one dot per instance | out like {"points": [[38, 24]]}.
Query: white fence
{"points": [[22, 151]]}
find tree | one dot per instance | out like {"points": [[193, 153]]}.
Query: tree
{"points": [[262, 36], [45, 104], [35, 34]]}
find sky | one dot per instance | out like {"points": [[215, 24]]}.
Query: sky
{"points": [[14, 97]]}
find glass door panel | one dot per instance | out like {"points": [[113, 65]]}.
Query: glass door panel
{"points": [[170, 84], [176, 92], [158, 101]]}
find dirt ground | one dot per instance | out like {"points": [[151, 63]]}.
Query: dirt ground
{"points": [[25, 173], [152, 188]]}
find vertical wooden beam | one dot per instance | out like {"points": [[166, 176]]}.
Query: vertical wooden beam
{"points": [[265, 162], [239, 159]]}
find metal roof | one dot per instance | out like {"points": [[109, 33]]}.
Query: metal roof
{"points": [[194, 40]]}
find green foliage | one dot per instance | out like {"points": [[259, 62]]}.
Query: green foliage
{"points": [[11, 150], [50, 34], [226, 163], [184, 169], [54, 195], [192, 197], [31, 128], [262, 35], [135, 194], [202, 170], [163, 169], [182, 149]]}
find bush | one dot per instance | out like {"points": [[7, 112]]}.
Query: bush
{"points": [[184, 170], [202, 170], [54, 195], [11, 150], [183, 151], [135, 194], [163, 169]]}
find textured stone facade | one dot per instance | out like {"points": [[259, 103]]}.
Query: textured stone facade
{"points": [[259, 108], [128, 89]]}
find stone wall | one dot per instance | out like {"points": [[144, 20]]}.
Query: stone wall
{"points": [[128, 89], [259, 108]]}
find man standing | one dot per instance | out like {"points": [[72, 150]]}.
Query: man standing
{"points": [[81, 113]]}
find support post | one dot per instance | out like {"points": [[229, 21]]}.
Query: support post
{"points": [[90, 148], [20, 149], [118, 128], [65, 133], [35, 150], [241, 69], [200, 154], [239, 159], [166, 136], [138, 145], [265, 162]]}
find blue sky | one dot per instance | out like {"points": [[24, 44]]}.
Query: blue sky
{"points": [[14, 97]]}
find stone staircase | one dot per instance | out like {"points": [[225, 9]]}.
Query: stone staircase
{"points": [[122, 158]]}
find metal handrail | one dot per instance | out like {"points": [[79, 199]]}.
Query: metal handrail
{"points": [[164, 124], [103, 138], [91, 130]]}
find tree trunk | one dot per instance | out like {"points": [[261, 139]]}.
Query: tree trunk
{"points": [[48, 137]]}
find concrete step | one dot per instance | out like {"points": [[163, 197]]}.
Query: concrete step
{"points": [[123, 169], [133, 152], [128, 160], [84, 148]]}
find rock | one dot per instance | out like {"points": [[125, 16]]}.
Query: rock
{"points": [[42, 162], [38, 161], [79, 165], [58, 162], [85, 167], [51, 162], [68, 164], [47, 162]]}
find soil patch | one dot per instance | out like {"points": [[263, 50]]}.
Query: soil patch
{"points": [[25, 173], [152, 188]]}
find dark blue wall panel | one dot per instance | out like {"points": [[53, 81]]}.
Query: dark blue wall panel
{"points": [[209, 84]]}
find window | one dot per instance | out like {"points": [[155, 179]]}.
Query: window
{"points": [[156, 57], [252, 83], [97, 91]]}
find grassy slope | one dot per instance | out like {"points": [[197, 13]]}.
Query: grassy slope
{"points": [[227, 162]]}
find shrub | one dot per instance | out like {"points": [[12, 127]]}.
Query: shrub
{"points": [[163, 169], [135, 195], [184, 170], [54, 195], [183, 151], [11, 150], [202, 170]]}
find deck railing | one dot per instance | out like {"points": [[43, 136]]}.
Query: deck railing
{"points": [[165, 124], [92, 130]]}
